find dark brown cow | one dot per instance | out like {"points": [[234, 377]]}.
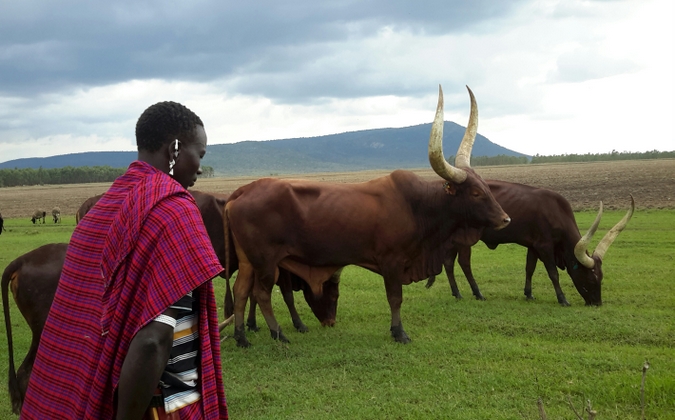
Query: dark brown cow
{"points": [[2, 224], [33, 278], [396, 226], [39, 214], [543, 222]]}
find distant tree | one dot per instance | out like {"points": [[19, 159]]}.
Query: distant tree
{"points": [[207, 172]]}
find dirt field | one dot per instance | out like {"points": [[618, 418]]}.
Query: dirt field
{"points": [[652, 183]]}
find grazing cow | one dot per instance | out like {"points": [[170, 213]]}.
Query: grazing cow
{"points": [[56, 214], [39, 214], [33, 278], [397, 226], [543, 222], [2, 224]]}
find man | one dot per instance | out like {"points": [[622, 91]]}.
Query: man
{"points": [[133, 330]]}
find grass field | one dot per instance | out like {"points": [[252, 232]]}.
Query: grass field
{"points": [[468, 359]]}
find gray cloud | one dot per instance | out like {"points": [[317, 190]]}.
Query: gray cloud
{"points": [[46, 47]]}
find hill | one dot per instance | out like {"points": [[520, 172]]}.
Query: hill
{"points": [[384, 148]]}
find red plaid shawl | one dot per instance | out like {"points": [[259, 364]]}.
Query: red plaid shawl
{"points": [[139, 250]]}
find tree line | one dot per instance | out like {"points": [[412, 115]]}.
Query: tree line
{"points": [[68, 175], [597, 157], [588, 157]]}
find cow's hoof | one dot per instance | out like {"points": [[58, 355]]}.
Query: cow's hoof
{"points": [[278, 335], [458, 296], [562, 300], [252, 326], [399, 335], [240, 337], [300, 326], [480, 297]]}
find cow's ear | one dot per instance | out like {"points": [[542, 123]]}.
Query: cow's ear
{"points": [[450, 188]]}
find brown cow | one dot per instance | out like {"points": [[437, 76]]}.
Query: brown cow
{"points": [[39, 214], [2, 224], [397, 226], [33, 278], [543, 222]]}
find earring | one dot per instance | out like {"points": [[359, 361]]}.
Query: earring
{"points": [[172, 162]]}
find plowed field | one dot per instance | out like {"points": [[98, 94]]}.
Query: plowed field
{"points": [[651, 182]]}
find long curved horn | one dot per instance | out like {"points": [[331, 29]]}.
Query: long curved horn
{"points": [[614, 232], [581, 246], [436, 157], [463, 159]]}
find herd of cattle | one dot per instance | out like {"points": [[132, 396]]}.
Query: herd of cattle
{"points": [[300, 234]]}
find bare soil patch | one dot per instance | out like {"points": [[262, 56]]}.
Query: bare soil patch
{"points": [[584, 185]]}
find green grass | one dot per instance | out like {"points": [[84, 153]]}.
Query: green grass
{"points": [[468, 359]]}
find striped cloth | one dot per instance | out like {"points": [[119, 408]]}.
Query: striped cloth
{"points": [[179, 380], [139, 250]]}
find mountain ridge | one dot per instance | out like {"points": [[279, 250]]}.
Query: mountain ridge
{"points": [[380, 148]]}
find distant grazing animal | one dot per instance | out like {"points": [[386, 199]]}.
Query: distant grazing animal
{"points": [[2, 224], [543, 222], [396, 226], [39, 214], [56, 214]]}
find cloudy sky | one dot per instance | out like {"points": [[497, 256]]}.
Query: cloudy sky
{"points": [[550, 77]]}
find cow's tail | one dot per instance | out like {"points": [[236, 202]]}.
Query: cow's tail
{"points": [[14, 392], [229, 264]]}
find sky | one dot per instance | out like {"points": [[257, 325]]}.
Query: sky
{"points": [[550, 77]]}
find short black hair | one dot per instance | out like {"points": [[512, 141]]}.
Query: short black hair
{"points": [[162, 122]]}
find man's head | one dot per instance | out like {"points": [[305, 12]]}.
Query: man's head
{"points": [[171, 138]]}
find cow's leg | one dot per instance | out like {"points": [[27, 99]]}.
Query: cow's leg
{"points": [[449, 265], [286, 287], [394, 287], [264, 282], [251, 322], [23, 374], [548, 259], [530, 265], [242, 290], [465, 263]]}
